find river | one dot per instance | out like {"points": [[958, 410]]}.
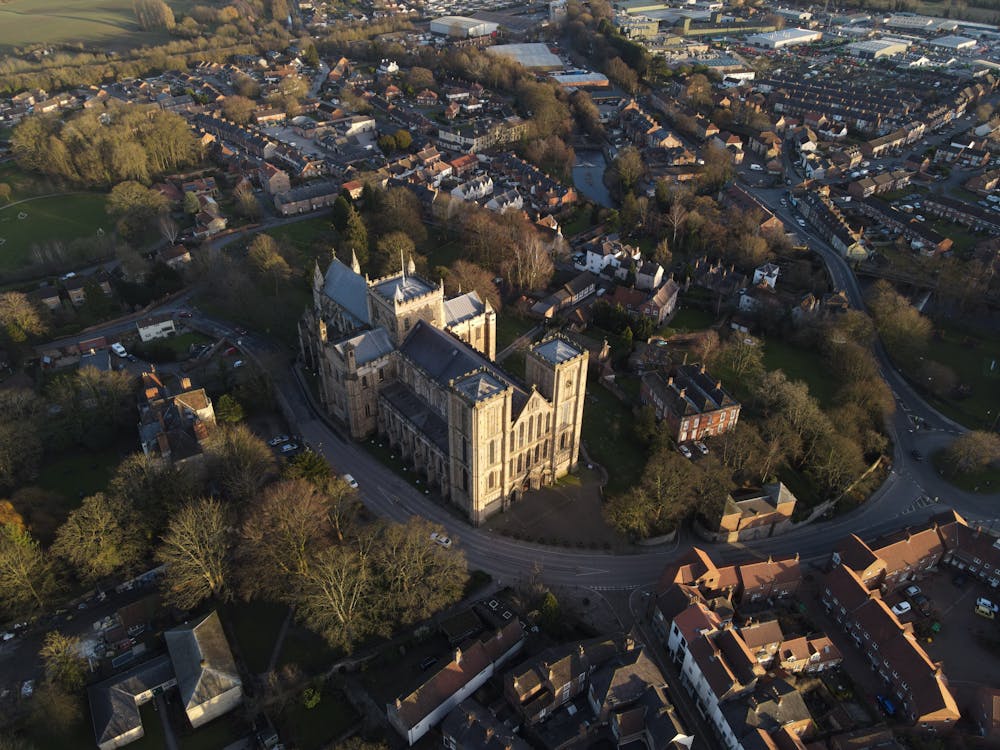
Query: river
{"points": [[588, 177]]}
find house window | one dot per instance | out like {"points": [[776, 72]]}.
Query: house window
{"points": [[406, 324], [493, 447], [381, 374], [368, 410], [490, 481], [364, 381]]}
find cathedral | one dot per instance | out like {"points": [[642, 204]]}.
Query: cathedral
{"points": [[396, 358]]}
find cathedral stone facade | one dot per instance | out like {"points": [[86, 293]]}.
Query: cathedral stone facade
{"points": [[396, 358]]}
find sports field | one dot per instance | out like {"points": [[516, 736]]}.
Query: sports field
{"points": [[40, 220], [100, 22]]}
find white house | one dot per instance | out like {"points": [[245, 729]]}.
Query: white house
{"points": [[509, 200], [207, 678], [475, 189], [156, 327], [715, 665], [766, 274], [469, 668], [610, 253]]}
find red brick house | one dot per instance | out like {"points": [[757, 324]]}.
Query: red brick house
{"points": [[690, 402]]}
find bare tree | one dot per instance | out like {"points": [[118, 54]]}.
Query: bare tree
{"points": [[27, 578], [242, 462], [283, 531], [168, 227], [196, 550], [100, 537]]}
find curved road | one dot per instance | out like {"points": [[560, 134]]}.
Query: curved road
{"points": [[906, 498]]}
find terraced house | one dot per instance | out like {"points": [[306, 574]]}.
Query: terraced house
{"points": [[394, 357]]}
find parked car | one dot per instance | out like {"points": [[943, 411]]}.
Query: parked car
{"points": [[185, 314], [984, 602], [684, 451], [231, 351], [278, 440], [289, 447], [351, 481], [27, 688], [240, 330], [901, 609], [912, 591], [886, 705], [238, 363], [440, 539], [702, 448], [986, 612], [118, 349], [923, 604], [427, 663]]}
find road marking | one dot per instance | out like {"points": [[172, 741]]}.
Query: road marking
{"points": [[923, 501], [592, 572]]}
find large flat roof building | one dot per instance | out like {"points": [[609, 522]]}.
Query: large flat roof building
{"points": [[462, 27], [534, 56], [873, 49], [954, 43], [784, 38]]}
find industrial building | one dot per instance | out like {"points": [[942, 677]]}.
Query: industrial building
{"points": [[582, 79], [954, 43], [873, 49], [784, 38], [532, 56], [462, 27]]}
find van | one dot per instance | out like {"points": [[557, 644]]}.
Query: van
{"points": [[756, 168]]}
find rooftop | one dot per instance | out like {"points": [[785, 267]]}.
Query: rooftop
{"points": [[556, 351], [529, 55], [403, 288]]}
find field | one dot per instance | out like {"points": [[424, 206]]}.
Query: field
{"points": [[59, 217], [105, 22]]}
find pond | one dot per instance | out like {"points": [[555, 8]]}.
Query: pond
{"points": [[588, 177]]}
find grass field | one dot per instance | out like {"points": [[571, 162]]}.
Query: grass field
{"points": [[60, 217], [801, 364], [976, 360], [610, 438], [105, 22]]}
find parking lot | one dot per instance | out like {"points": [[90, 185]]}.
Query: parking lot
{"points": [[968, 645]]}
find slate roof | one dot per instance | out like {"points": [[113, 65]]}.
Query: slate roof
{"points": [[368, 346], [404, 287], [418, 413], [202, 660], [113, 709], [556, 351], [347, 289], [472, 725], [475, 657], [444, 358], [462, 308]]}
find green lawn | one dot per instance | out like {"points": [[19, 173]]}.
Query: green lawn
{"points": [[509, 327], [976, 360], [182, 342], [801, 364], [152, 727], [964, 240], [312, 729], [580, 222], [256, 626], [27, 22], [441, 253], [312, 238], [688, 319], [985, 482], [608, 433], [81, 471], [62, 217], [23, 184]]}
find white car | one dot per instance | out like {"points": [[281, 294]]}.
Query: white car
{"points": [[684, 451], [28, 688], [289, 447], [901, 609], [238, 363], [702, 448], [440, 539], [801, 222], [987, 604], [118, 349], [351, 481], [756, 168], [278, 440]]}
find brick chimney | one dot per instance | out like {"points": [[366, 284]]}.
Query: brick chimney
{"points": [[186, 384], [458, 656]]}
